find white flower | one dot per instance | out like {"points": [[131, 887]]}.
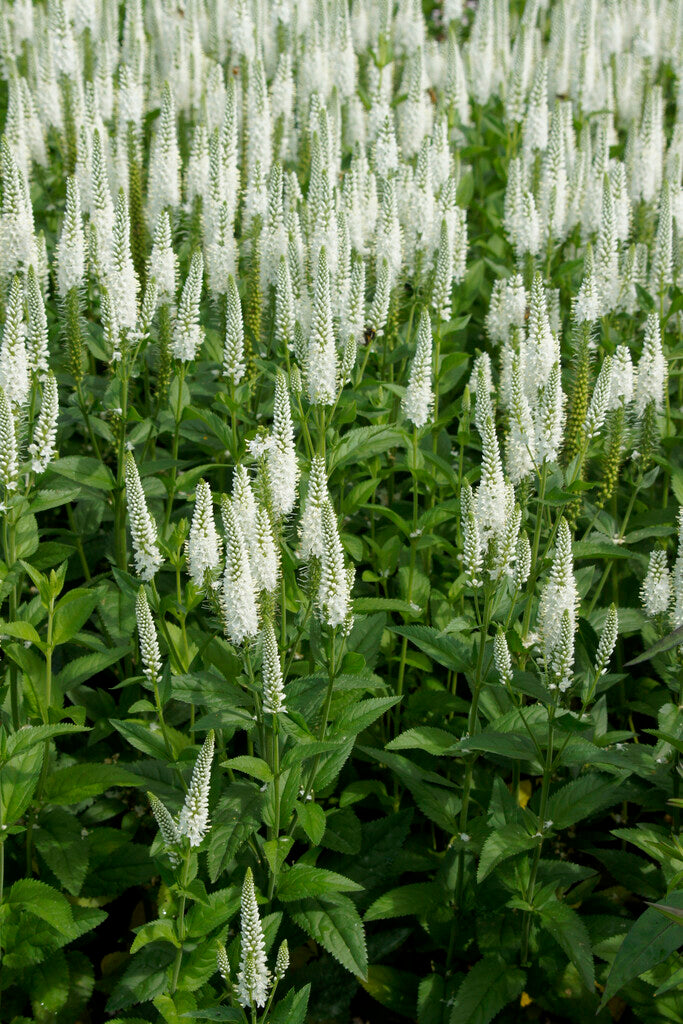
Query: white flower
{"points": [[273, 685], [193, 820], [203, 544], [240, 612], [42, 447], [418, 401], [253, 980], [283, 470], [142, 527], [187, 332], [656, 589], [149, 645]]}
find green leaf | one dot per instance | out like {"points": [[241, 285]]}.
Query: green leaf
{"points": [[424, 737], [651, 940], [162, 929], [78, 782], [49, 985], [505, 842], [363, 443], [60, 843], [446, 649], [583, 797], [292, 1009], [489, 986], [672, 639], [568, 930], [312, 819], [334, 923], [140, 736], [18, 780], [361, 714], [254, 766], [215, 1013], [79, 670], [20, 630], [42, 901], [396, 989], [85, 471], [237, 815], [302, 880], [72, 612], [418, 898]]}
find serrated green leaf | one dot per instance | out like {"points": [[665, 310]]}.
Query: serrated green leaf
{"points": [[303, 880], [489, 986], [335, 924], [311, 817], [651, 940], [78, 782], [568, 930], [418, 898], [505, 842]]}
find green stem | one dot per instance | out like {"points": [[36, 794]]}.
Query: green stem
{"points": [[547, 769], [10, 545], [275, 831], [411, 577], [471, 728], [181, 925], [176, 441]]}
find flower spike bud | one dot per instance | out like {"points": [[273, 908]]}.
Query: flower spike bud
{"points": [[36, 343], [163, 263], [42, 447], [273, 685], [253, 980], [149, 645], [559, 596], [562, 660], [550, 417], [652, 369], [170, 833], [472, 554], [193, 821], [490, 499], [677, 615], [244, 505], [283, 469], [9, 465], [233, 350], [203, 544], [379, 310], [656, 590], [14, 373], [321, 362], [522, 560], [621, 379], [240, 613], [223, 965], [418, 401], [501, 657], [285, 318], [311, 529], [188, 334], [264, 556], [71, 247], [163, 187], [334, 596], [443, 279], [608, 640], [597, 410], [142, 527], [282, 961], [121, 280]]}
